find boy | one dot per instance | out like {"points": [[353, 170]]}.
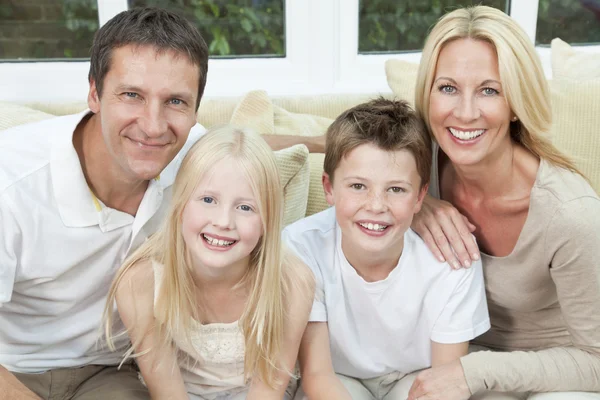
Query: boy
{"points": [[385, 306]]}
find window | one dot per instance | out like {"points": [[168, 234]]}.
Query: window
{"points": [[574, 21], [47, 29], [246, 28], [295, 47], [392, 26]]}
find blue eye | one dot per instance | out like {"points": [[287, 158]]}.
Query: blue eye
{"points": [[449, 89], [131, 94], [176, 101], [208, 200], [245, 207], [490, 91]]}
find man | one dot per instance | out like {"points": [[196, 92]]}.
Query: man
{"points": [[79, 193]]}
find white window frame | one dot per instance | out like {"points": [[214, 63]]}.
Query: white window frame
{"points": [[321, 57]]}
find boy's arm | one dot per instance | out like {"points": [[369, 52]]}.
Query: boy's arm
{"points": [[444, 353], [301, 294], [135, 302], [316, 369]]}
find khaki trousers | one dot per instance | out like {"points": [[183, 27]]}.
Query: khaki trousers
{"points": [[394, 386], [91, 382]]}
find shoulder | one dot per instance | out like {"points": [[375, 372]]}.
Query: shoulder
{"points": [[26, 149], [135, 284], [561, 185], [432, 270], [311, 229], [298, 277], [566, 202], [167, 176]]}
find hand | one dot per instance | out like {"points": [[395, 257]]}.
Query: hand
{"points": [[441, 383], [446, 232]]}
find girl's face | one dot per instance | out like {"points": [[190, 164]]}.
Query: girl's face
{"points": [[221, 224], [468, 113]]}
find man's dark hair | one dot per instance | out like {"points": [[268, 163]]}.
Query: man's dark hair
{"points": [[150, 26]]}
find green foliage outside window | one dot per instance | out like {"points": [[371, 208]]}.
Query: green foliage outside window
{"points": [[47, 29], [393, 26], [233, 28], [574, 21]]}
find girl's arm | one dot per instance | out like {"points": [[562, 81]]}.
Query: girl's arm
{"points": [[135, 302], [318, 377], [301, 295]]}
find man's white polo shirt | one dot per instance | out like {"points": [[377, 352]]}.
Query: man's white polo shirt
{"points": [[59, 248]]}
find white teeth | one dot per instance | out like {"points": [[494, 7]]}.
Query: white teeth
{"points": [[373, 227], [466, 135], [217, 242]]}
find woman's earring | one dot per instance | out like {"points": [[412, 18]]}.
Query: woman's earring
{"points": [[514, 119]]}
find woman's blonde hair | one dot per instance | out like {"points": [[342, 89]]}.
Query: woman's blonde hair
{"points": [[521, 74], [175, 303]]}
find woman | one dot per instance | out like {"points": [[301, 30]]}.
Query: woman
{"points": [[482, 92]]}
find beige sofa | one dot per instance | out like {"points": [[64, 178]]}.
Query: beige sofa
{"points": [[575, 89]]}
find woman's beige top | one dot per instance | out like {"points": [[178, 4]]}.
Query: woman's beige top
{"points": [[544, 298], [216, 363]]}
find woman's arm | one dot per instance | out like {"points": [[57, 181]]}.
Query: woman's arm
{"points": [[573, 237], [301, 294], [318, 377], [446, 232], [446, 380], [135, 302]]}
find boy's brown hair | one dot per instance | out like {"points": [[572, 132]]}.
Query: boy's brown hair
{"points": [[391, 125]]}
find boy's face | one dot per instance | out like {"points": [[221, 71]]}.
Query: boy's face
{"points": [[376, 194]]}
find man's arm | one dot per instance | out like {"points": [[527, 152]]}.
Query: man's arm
{"points": [[316, 369], [315, 144], [13, 388]]}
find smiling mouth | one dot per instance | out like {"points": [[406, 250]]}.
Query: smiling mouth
{"points": [[466, 135], [147, 145], [373, 227], [218, 242]]}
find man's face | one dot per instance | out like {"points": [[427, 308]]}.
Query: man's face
{"points": [[147, 108]]}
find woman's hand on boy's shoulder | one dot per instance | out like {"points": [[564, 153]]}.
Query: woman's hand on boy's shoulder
{"points": [[446, 232], [446, 382]]}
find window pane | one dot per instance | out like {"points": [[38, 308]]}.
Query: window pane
{"points": [[574, 21], [47, 29], [393, 26], [233, 28]]}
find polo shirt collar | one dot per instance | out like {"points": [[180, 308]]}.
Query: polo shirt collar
{"points": [[77, 205], [73, 197]]}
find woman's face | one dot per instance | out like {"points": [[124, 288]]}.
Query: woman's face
{"points": [[468, 113]]}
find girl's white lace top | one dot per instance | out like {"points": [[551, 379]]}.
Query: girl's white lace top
{"points": [[216, 362]]}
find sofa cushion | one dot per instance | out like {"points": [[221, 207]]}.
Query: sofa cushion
{"points": [[568, 63], [575, 88], [14, 114], [401, 77], [255, 111]]}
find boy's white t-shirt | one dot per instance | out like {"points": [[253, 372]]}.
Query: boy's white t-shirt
{"points": [[376, 328]]}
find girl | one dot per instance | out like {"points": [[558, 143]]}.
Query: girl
{"points": [[207, 301]]}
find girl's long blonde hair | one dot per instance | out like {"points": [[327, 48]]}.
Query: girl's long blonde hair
{"points": [[263, 318], [521, 74]]}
